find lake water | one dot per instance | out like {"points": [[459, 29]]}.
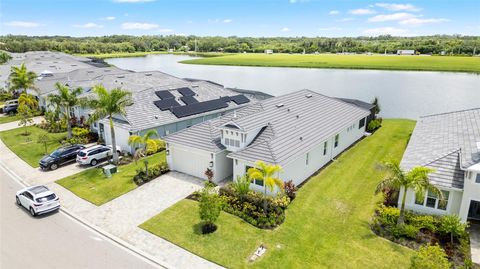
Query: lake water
{"points": [[402, 94]]}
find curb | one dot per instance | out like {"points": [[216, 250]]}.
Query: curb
{"points": [[107, 235]]}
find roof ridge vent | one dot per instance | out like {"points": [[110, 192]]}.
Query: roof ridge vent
{"points": [[308, 95], [121, 76], [148, 74], [298, 116], [280, 105]]}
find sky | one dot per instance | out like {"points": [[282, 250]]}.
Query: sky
{"points": [[239, 18]]}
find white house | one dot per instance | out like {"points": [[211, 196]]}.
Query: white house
{"points": [[301, 131], [449, 143], [405, 52]]}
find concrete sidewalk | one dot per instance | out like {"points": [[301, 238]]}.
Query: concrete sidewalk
{"points": [[14, 124]]}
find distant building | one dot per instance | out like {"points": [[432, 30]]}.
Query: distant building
{"points": [[405, 52], [268, 51]]}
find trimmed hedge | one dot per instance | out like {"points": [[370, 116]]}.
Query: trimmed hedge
{"points": [[153, 172]]}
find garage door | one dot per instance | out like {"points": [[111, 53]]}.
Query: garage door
{"points": [[191, 162]]}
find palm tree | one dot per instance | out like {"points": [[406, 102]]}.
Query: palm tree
{"points": [[143, 143], [266, 173], [107, 104], [22, 79], [415, 179], [26, 105], [66, 99]]}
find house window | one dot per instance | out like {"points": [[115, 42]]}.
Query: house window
{"points": [[306, 159], [337, 137], [477, 179], [361, 123], [237, 143], [221, 132], [258, 182], [227, 141], [433, 201], [325, 144]]}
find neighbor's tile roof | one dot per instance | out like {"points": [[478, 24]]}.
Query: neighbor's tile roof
{"points": [[287, 131], [447, 143]]}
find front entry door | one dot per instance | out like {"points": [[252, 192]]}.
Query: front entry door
{"points": [[474, 211]]}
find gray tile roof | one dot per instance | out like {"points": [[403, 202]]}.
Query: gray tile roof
{"points": [[357, 102], [284, 136], [446, 142]]}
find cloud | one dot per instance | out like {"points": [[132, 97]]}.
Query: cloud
{"points": [[24, 24], [329, 29], [345, 19], [386, 31], [362, 11], [397, 7], [88, 25], [333, 12], [297, 1], [420, 21], [133, 1], [227, 20], [109, 18], [285, 29], [392, 17], [138, 26]]}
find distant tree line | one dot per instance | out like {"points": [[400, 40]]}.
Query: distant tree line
{"points": [[448, 44]]}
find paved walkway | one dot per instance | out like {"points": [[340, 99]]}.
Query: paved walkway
{"points": [[14, 124], [121, 216], [475, 242]]}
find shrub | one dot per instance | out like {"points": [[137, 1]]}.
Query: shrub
{"points": [[409, 231], [210, 206], [425, 222], [250, 207], [154, 171], [241, 185], [387, 216], [80, 132], [374, 125], [451, 225], [290, 189], [430, 257], [156, 146]]}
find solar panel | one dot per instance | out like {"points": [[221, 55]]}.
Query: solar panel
{"points": [[185, 91], [166, 104], [240, 99], [164, 94], [197, 108], [226, 98], [188, 100]]}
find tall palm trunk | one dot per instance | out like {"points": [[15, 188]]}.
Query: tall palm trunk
{"points": [[264, 198], [114, 143], [69, 123], [401, 218]]}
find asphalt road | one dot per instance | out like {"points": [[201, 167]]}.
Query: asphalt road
{"points": [[54, 240]]}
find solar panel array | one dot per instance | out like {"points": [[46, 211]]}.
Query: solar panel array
{"points": [[193, 106]]}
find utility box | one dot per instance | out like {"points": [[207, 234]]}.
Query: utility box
{"points": [[109, 170]]}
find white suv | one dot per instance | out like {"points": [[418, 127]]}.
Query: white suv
{"points": [[93, 155], [38, 200]]}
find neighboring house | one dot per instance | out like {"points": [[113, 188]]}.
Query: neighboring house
{"points": [[301, 131], [449, 143], [405, 52], [268, 51]]}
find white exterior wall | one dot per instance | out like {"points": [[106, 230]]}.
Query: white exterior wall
{"points": [[453, 206], [121, 136], [223, 166], [471, 191], [298, 170], [189, 160]]}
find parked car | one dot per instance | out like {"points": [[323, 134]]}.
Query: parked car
{"points": [[60, 156], [93, 155], [10, 107], [38, 200]]}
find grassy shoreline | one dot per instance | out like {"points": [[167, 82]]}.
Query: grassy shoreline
{"points": [[333, 61], [146, 53]]}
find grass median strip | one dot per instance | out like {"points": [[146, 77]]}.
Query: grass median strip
{"points": [[94, 187], [382, 62], [26, 147], [326, 226]]}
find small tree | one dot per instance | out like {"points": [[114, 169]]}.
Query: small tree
{"points": [[209, 209], [44, 139], [266, 173], [430, 257], [26, 106], [290, 189], [209, 174], [144, 143], [451, 225], [416, 179], [376, 106]]}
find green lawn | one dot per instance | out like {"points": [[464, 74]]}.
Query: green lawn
{"points": [[94, 187], [26, 147], [8, 118], [327, 226], [423, 63]]}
